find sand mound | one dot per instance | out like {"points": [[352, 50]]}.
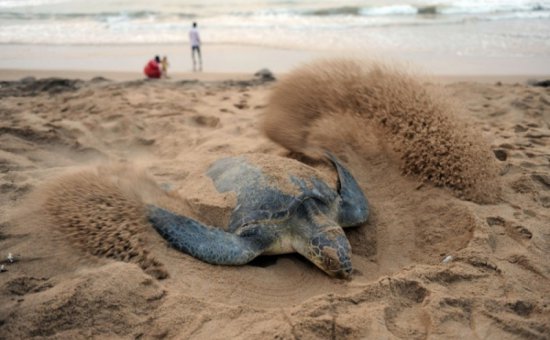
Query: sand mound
{"points": [[103, 302], [419, 124]]}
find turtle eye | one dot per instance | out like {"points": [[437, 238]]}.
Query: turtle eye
{"points": [[329, 262], [330, 257]]}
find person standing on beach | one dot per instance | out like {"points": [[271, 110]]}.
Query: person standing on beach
{"points": [[152, 68], [195, 41]]}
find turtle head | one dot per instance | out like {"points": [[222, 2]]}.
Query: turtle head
{"points": [[330, 250]]}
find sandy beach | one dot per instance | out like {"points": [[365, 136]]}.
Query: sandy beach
{"points": [[246, 59], [437, 109], [443, 254]]}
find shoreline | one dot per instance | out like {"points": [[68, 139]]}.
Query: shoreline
{"points": [[18, 74], [127, 61]]}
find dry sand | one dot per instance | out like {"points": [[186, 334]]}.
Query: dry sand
{"points": [[78, 159]]}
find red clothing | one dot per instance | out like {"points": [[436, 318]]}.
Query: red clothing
{"points": [[152, 69]]}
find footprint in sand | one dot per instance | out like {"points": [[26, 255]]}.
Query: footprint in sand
{"points": [[545, 201], [404, 316], [224, 110], [500, 154], [209, 121], [24, 285], [516, 231], [241, 105], [520, 128]]}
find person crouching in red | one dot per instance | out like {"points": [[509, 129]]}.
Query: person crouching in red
{"points": [[152, 69]]}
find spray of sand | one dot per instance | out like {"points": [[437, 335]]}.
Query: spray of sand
{"points": [[328, 104], [101, 211]]}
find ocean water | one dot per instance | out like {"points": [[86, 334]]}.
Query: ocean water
{"points": [[490, 28]]}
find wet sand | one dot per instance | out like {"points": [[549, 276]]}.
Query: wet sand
{"points": [[238, 58]]}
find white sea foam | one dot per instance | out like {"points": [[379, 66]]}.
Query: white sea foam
{"points": [[27, 3], [460, 26], [389, 10]]}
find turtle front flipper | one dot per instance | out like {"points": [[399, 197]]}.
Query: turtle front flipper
{"points": [[210, 245], [354, 208]]}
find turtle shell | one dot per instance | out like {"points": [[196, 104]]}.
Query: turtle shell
{"points": [[255, 188]]}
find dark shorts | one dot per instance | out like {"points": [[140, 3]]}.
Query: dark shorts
{"points": [[198, 48]]}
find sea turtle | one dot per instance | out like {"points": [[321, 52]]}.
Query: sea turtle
{"points": [[300, 213]]}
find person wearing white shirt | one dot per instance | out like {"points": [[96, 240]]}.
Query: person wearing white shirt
{"points": [[195, 41]]}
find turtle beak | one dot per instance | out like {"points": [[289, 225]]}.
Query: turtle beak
{"points": [[339, 267], [331, 252], [345, 273]]}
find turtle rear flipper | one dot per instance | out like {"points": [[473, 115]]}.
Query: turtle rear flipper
{"points": [[354, 208], [211, 245]]}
